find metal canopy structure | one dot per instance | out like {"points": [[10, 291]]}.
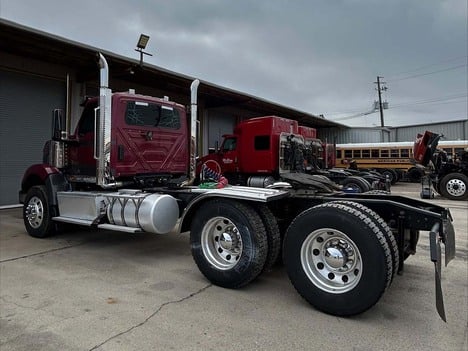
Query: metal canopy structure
{"points": [[23, 41]]}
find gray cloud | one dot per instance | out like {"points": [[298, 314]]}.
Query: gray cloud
{"points": [[317, 56]]}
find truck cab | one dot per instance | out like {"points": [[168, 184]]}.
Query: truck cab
{"points": [[253, 148], [148, 141]]}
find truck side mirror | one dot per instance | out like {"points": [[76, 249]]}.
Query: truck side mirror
{"points": [[58, 125]]}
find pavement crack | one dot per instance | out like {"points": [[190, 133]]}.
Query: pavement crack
{"points": [[42, 307], [39, 253], [151, 316]]}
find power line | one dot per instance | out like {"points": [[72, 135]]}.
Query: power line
{"points": [[356, 116], [431, 100], [344, 112], [428, 73], [428, 66], [430, 103]]}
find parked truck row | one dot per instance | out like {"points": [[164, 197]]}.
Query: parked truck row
{"points": [[268, 149], [130, 166]]}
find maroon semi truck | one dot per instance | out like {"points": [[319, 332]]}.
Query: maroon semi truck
{"points": [[130, 166]]}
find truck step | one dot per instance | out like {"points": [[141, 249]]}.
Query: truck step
{"points": [[71, 220], [88, 223]]}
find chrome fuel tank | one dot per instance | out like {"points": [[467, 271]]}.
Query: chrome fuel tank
{"points": [[153, 213]]}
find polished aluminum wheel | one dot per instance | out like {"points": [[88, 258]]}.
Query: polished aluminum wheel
{"points": [[331, 260], [221, 243], [456, 187], [35, 212]]}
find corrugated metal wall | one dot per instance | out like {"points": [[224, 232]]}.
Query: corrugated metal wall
{"points": [[454, 130], [26, 104], [457, 130], [353, 135]]}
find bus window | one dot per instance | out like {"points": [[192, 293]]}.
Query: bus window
{"points": [[356, 153], [404, 152], [348, 154], [394, 153], [383, 153], [338, 153], [365, 153], [375, 153]]}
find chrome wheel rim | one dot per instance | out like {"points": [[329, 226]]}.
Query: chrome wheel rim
{"points": [[456, 187], [331, 260], [354, 187], [35, 212], [221, 243]]}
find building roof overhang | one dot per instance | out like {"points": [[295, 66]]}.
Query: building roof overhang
{"points": [[20, 40]]}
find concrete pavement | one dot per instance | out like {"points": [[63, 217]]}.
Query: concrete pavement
{"points": [[85, 290]]}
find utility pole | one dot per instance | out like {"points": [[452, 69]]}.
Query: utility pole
{"points": [[382, 124], [379, 90]]}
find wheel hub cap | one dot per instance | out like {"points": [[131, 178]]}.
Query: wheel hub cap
{"points": [[221, 243], [335, 258], [34, 212], [456, 187], [331, 260]]}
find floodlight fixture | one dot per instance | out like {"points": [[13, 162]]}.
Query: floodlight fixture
{"points": [[141, 45], [143, 41]]}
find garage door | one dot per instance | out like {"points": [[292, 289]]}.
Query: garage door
{"points": [[218, 125], [26, 105]]}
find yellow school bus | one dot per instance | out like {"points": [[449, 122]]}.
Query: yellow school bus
{"points": [[394, 159]]}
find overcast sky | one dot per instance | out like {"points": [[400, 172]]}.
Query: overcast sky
{"points": [[318, 56]]}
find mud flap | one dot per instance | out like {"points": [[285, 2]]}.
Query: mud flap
{"points": [[447, 236], [436, 258]]}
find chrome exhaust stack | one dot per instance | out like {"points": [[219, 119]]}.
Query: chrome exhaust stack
{"points": [[102, 127], [193, 133]]}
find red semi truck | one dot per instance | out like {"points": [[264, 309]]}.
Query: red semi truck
{"points": [[130, 166], [266, 149]]}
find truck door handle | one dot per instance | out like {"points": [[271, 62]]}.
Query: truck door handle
{"points": [[148, 135], [97, 133]]}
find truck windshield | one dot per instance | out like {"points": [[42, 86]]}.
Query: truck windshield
{"points": [[153, 115], [229, 144]]}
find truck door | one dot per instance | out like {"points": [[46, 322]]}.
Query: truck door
{"points": [[81, 147], [229, 155]]}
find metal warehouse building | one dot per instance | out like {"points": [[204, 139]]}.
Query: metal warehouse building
{"points": [[40, 72], [452, 130]]}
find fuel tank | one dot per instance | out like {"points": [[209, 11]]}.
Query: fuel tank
{"points": [[154, 213]]}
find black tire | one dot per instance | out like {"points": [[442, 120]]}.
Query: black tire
{"points": [[273, 236], [383, 226], [436, 186], [391, 175], [415, 175], [400, 173], [378, 192], [337, 258], [357, 183], [454, 186], [37, 213], [240, 257]]}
